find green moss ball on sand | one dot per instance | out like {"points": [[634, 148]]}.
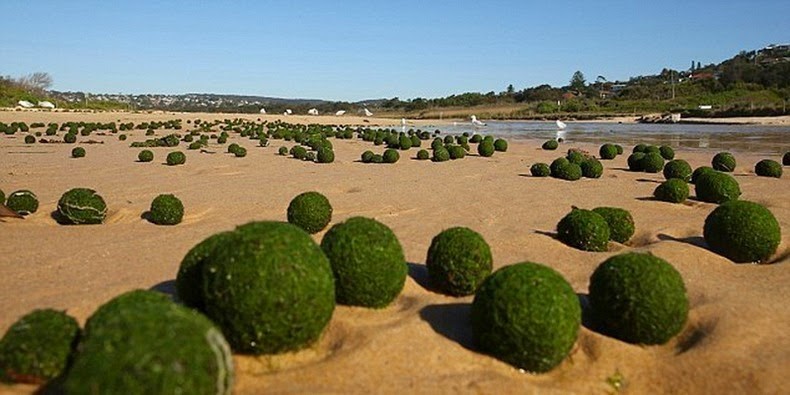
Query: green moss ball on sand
{"points": [[233, 147], [240, 152], [142, 343], [527, 315], [619, 149], [377, 159], [639, 298], [195, 145], [189, 280], [404, 142], [441, 155], [724, 161], [269, 287], [367, 156], [742, 231], [2, 197], [310, 211], [607, 151], [575, 157], [550, 145], [30, 139], [556, 164], [70, 138], [166, 210], [592, 168], [567, 171], [36, 348], [391, 155], [652, 149], [635, 161], [325, 155], [458, 261], [666, 152], [423, 154], [78, 152], [620, 221], [717, 187], [640, 148], [699, 171], [282, 151], [652, 162], [500, 145], [768, 168], [673, 190], [145, 156], [677, 168], [367, 261], [24, 202], [786, 159], [176, 158], [486, 148], [540, 170], [584, 229], [81, 206], [456, 152]]}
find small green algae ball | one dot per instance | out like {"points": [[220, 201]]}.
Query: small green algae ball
{"points": [[233, 147], [325, 155], [458, 261], [367, 156], [640, 148], [367, 261], [540, 170], [677, 168], [176, 158], [145, 156], [404, 142], [282, 151], [142, 343], [24, 202], [500, 145], [377, 159], [70, 138], [456, 152], [639, 298], [585, 230], [556, 164], [550, 145], [652, 162], [673, 190], [717, 187], [742, 231], [768, 168], [620, 221], [390, 155], [240, 152], [635, 161], [310, 211], [37, 347], [699, 171], [166, 209], [619, 149], [666, 152], [441, 155], [723, 161], [527, 315], [2, 197], [486, 148], [591, 168], [423, 154], [30, 139], [189, 280], [78, 152], [567, 171], [576, 157], [607, 151], [81, 206]]}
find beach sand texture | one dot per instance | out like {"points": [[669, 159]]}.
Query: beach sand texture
{"points": [[735, 341]]}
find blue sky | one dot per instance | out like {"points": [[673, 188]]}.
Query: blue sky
{"points": [[355, 50]]}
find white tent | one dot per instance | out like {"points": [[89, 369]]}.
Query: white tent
{"points": [[312, 111], [46, 104], [25, 104], [340, 113], [263, 111], [368, 113]]}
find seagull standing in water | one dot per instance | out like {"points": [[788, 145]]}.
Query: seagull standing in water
{"points": [[560, 124], [477, 122]]}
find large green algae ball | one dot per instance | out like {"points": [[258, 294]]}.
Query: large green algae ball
{"points": [[269, 287], [716, 187], [677, 168], [423, 154], [176, 158], [441, 154], [567, 171], [37, 347], [556, 164], [640, 148], [540, 170], [639, 298], [527, 315], [367, 156], [768, 168], [189, 280], [635, 161], [458, 261], [456, 152], [142, 343], [591, 168], [575, 157], [620, 221], [500, 145], [78, 152], [724, 161], [166, 209], [584, 229], [550, 145], [486, 148], [145, 156], [390, 155], [2, 197], [742, 231], [81, 206], [607, 151], [325, 155], [666, 152], [310, 211], [652, 162], [700, 171], [673, 190], [367, 261], [24, 202]]}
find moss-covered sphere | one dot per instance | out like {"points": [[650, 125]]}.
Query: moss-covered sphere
{"points": [[367, 261], [240, 152], [423, 154], [666, 152], [550, 145], [620, 221], [390, 155], [485, 148], [78, 152], [575, 157], [699, 171], [673, 190], [441, 155], [768, 168], [500, 145], [310, 211], [584, 229], [458, 261], [639, 298], [607, 151], [367, 156], [592, 168], [717, 187], [652, 162], [142, 343], [176, 158], [24, 202], [527, 315], [677, 168], [556, 164], [568, 171], [619, 149], [37, 347], [640, 148], [81, 206], [635, 161], [70, 138], [145, 156], [742, 231], [723, 161], [325, 155], [269, 287], [456, 152], [540, 170], [189, 280], [166, 209]]}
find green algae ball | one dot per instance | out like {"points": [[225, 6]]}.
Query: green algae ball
{"points": [[677, 168], [638, 298], [78, 152], [282, 151], [607, 151], [456, 152], [390, 155], [584, 229], [768, 168], [240, 152], [486, 148], [367, 261], [575, 157], [724, 161], [70, 138], [568, 171], [377, 159], [699, 171], [2, 197], [635, 161], [458, 261], [37, 347], [142, 343], [24, 202], [189, 280], [367, 156], [145, 156], [673, 190], [325, 155], [556, 164], [666, 152], [540, 170], [441, 155], [81, 206], [404, 142], [591, 168], [527, 315], [742, 231], [652, 162], [30, 139], [176, 158], [619, 149], [717, 187], [640, 148], [550, 145], [500, 145], [620, 221], [233, 147], [166, 209], [786, 159], [423, 154], [310, 211]]}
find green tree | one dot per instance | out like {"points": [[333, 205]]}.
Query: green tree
{"points": [[578, 82]]}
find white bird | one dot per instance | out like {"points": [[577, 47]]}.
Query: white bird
{"points": [[46, 104], [312, 111], [561, 124], [477, 122], [368, 113], [25, 104], [340, 113], [263, 111]]}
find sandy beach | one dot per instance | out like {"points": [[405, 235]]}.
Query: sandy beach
{"points": [[734, 342]]}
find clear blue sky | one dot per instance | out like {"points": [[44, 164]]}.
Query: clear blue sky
{"points": [[354, 50]]}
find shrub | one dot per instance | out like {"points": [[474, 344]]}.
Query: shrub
{"points": [[742, 231], [36, 348], [635, 161], [652, 162], [723, 161], [639, 298], [500, 145], [550, 145], [30, 139], [176, 158], [458, 261], [310, 211], [540, 170], [240, 152], [78, 152], [423, 154], [527, 315], [666, 152], [716, 187], [621, 224], [592, 168], [607, 151], [673, 190], [456, 152], [768, 168], [485, 148], [283, 151], [390, 155], [677, 168], [568, 171], [145, 156], [367, 156], [584, 229], [326, 155], [699, 171], [166, 210], [81, 206], [441, 155], [24, 202]]}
